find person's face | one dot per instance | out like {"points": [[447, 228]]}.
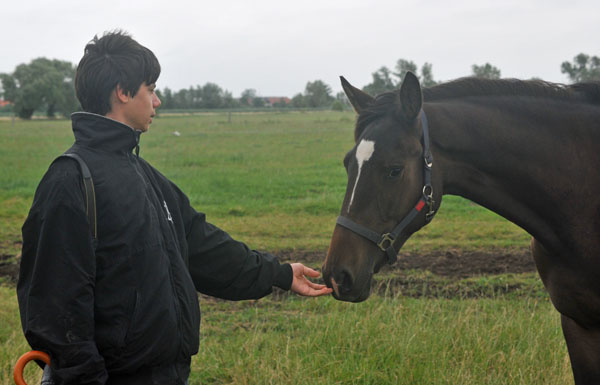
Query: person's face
{"points": [[140, 109]]}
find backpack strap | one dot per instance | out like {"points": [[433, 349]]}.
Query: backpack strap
{"points": [[90, 195]]}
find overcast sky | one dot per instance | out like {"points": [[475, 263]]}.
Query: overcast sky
{"points": [[277, 46]]}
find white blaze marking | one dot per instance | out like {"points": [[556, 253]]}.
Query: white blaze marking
{"points": [[364, 151]]}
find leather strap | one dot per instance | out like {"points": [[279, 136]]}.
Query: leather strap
{"points": [[90, 195]]}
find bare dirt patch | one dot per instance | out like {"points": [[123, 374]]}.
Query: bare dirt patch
{"points": [[9, 269], [433, 274], [449, 274], [455, 263]]}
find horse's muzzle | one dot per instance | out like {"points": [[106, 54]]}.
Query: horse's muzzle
{"points": [[344, 286]]}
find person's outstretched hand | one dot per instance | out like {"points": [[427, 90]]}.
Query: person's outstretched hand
{"points": [[301, 284]]}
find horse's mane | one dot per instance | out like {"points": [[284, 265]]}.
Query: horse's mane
{"points": [[473, 87], [468, 87]]}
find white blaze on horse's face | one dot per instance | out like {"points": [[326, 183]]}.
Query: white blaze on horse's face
{"points": [[364, 151]]}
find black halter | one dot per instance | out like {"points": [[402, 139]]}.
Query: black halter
{"points": [[386, 241]]}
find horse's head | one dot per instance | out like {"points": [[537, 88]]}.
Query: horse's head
{"points": [[387, 175]]}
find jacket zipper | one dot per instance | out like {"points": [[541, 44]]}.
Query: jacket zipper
{"points": [[135, 165]]}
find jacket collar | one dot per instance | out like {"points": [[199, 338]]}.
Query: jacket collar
{"points": [[100, 132]]}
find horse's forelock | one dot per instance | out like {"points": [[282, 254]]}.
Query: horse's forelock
{"points": [[383, 105]]}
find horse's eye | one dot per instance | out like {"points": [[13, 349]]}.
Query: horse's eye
{"points": [[395, 172], [346, 161]]}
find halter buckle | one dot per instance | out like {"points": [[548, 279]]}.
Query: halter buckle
{"points": [[429, 215], [428, 196], [428, 158], [386, 238]]}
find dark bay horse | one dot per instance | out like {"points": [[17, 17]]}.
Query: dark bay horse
{"points": [[527, 150]]}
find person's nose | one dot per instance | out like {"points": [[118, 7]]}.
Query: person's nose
{"points": [[155, 101]]}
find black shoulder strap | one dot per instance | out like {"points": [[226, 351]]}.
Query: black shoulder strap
{"points": [[90, 195]]}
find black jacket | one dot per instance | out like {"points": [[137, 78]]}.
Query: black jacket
{"points": [[131, 306]]}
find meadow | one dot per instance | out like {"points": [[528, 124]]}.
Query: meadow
{"points": [[276, 181]]}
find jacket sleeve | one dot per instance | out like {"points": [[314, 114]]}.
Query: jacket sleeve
{"points": [[56, 280], [225, 268]]}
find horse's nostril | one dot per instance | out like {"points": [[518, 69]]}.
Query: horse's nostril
{"points": [[345, 281]]}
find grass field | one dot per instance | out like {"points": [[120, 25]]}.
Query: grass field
{"points": [[385, 340], [273, 180], [276, 181]]}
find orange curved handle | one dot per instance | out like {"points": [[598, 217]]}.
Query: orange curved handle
{"points": [[24, 359]]}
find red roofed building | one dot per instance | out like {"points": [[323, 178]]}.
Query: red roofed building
{"points": [[277, 101], [4, 103]]}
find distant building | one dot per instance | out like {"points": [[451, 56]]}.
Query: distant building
{"points": [[269, 101], [4, 103], [274, 101]]}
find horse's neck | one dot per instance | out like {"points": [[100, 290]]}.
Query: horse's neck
{"points": [[527, 167]]}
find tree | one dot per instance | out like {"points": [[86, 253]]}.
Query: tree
{"points": [[317, 94], [486, 71], [402, 67], [166, 98], [43, 83], [209, 95], [337, 106], [385, 80], [212, 96], [584, 68], [183, 98], [427, 75], [258, 102], [229, 101], [247, 97], [382, 82], [197, 96], [343, 99], [298, 101], [280, 103]]}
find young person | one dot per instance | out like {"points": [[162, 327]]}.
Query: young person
{"points": [[120, 306]]}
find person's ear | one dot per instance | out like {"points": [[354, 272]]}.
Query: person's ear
{"points": [[121, 95]]}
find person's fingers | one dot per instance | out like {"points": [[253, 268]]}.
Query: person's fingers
{"points": [[323, 291], [316, 286], [307, 289], [317, 289], [304, 286], [301, 270], [310, 272]]}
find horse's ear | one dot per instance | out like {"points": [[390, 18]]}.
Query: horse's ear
{"points": [[411, 97], [359, 99]]}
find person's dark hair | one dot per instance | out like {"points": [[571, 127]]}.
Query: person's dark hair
{"points": [[111, 60]]}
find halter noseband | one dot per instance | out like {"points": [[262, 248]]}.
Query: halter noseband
{"points": [[386, 241]]}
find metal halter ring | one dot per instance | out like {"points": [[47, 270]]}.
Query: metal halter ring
{"points": [[428, 191], [386, 238]]}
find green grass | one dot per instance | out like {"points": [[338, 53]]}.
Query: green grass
{"points": [[12, 342], [385, 340], [275, 181]]}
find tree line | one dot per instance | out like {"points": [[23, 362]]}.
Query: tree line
{"points": [[316, 94], [583, 68], [48, 85]]}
